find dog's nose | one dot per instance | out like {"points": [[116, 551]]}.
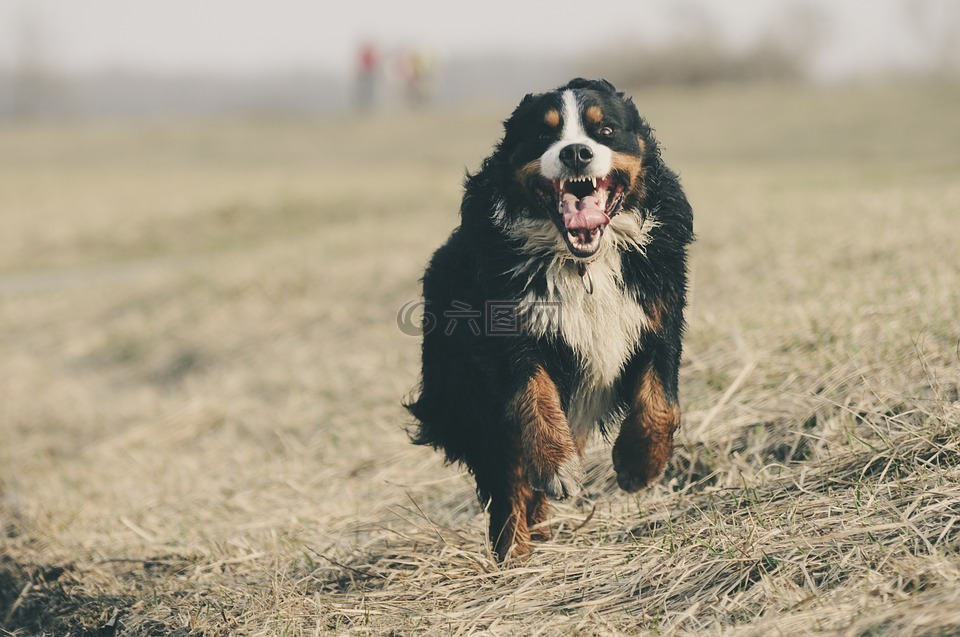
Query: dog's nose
{"points": [[576, 156]]}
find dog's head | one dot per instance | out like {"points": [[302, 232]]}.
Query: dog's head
{"points": [[575, 156]]}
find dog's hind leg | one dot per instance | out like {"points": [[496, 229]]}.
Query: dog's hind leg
{"points": [[518, 515], [538, 510], [509, 533]]}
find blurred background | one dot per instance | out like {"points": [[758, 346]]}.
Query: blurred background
{"points": [[105, 58]]}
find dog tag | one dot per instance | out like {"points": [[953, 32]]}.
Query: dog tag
{"points": [[585, 277]]}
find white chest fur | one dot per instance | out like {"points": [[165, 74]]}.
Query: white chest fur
{"points": [[603, 328]]}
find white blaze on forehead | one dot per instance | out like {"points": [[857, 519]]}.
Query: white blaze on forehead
{"points": [[572, 126], [573, 133]]}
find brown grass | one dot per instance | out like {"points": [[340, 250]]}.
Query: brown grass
{"points": [[201, 372]]}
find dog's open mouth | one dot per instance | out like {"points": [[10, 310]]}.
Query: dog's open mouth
{"points": [[586, 205]]}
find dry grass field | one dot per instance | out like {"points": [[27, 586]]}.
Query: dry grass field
{"points": [[201, 374]]}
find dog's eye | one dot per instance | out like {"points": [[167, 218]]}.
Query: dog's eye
{"points": [[606, 131]]}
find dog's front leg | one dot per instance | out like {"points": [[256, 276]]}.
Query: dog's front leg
{"points": [[541, 460], [645, 442], [551, 456]]}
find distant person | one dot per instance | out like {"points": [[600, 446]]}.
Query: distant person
{"points": [[417, 73], [368, 62]]}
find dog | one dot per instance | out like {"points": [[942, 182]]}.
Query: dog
{"points": [[564, 290]]}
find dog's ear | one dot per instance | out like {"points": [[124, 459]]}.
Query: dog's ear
{"points": [[603, 86], [526, 99], [517, 116]]}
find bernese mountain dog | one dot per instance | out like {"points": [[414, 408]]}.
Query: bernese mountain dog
{"points": [[555, 309]]}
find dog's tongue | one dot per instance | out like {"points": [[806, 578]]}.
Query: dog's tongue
{"points": [[584, 214]]}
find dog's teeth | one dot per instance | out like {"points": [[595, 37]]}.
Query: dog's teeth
{"points": [[593, 180], [562, 182]]}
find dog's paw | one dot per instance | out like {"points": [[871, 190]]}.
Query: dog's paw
{"points": [[628, 478], [639, 457], [563, 482]]}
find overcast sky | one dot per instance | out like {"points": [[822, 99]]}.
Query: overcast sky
{"points": [[251, 36]]}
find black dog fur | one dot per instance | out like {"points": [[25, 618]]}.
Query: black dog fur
{"points": [[517, 409]]}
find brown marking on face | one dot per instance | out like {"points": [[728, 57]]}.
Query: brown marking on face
{"points": [[594, 115], [552, 118], [633, 167], [643, 145], [645, 442], [528, 170], [544, 431]]}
